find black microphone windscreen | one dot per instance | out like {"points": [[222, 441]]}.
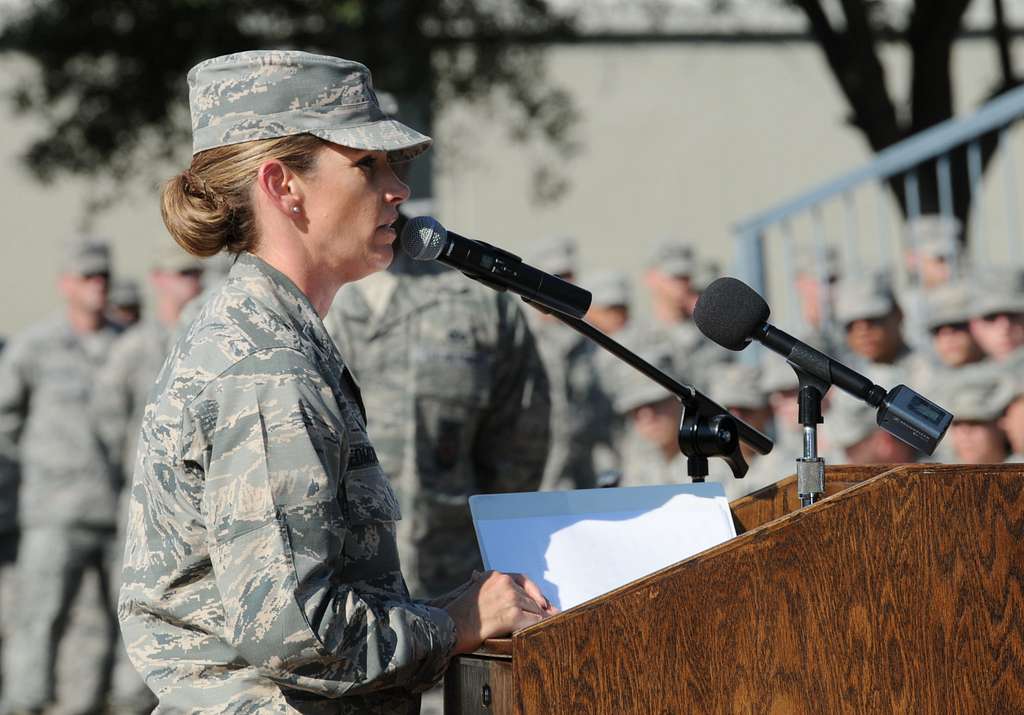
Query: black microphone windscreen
{"points": [[423, 238], [729, 312]]}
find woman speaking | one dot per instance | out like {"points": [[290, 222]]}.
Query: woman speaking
{"points": [[261, 573]]}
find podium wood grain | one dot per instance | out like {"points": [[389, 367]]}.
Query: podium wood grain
{"points": [[902, 592]]}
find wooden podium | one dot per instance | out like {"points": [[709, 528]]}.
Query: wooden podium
{"points": [[901, 592]]}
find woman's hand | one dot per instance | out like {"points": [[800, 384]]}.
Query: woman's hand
{"points": [[495, 604]]}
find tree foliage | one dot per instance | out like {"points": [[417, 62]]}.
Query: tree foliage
{"points": [[110, 91]]}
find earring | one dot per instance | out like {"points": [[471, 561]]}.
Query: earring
{"points": [[296, 209]]}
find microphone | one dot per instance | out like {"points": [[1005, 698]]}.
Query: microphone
{"points": [[732, 314], [425, 239]]}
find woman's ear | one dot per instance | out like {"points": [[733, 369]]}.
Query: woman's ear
{"points": [[276, 183]]}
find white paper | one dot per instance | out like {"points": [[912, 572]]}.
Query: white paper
{"points": [[581, 544]]}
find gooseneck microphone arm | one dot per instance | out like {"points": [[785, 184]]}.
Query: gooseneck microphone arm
{"points": [[705, 422]]}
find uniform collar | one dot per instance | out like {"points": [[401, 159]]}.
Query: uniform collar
{"points": [[281, 289]]}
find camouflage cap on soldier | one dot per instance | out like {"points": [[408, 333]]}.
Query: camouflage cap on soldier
{"points": [[934, 235], [673, 257], [824, 262], [707, 271], [948, 304], [739, 385], [998, 291], [978, 397], [265, 94], [778, 376], [86, 255], [124, 293], [554, 255], [632, 389], [607, 288], [863, 297], [850, 422], [172, 259]]}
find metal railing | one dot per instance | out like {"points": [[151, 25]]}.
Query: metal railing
{"points": [[775, 227]]}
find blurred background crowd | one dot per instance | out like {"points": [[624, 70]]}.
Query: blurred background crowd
{"points": [[616, 145]]}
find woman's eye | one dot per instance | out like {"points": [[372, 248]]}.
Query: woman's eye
{"points": [[368, 162]]}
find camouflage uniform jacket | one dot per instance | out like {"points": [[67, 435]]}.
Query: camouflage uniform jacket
{"points": [[459, 405], [47, 439], [261, 573]]}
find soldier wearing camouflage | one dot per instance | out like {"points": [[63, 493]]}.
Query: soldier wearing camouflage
{"points": [[451, 375], [866, 308], [978, 400], [997, 317], [67, 504], [738, 389], [261, 571], [580, 410], [672, 268], [123, 386]]}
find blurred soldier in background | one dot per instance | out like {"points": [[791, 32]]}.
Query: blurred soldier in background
{"points": [[933, 255], [610, 304], [1012, 421], [124, 303], [978, 401], [122, 387], [779, 382], [738, 389], [669, 278], [651, 453], [816, 276], [953, 347], [855, 433], [872, 321], [997, 316], [215, 273], [948, 314], [451, 374], [582, 421], [68, 492]]}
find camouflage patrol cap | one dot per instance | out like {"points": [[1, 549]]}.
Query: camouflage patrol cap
{"points": [[554, 255], [707, 271], [86, 255], [979, 397], [824, 262], [778, 376], [739, 385], [863, 298], [948, 304], [934, 235], [632, 389], [174, 260], [124, 294], [850, 422], [998, 291], [607, 288], [673, 257], [263, 94]]}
